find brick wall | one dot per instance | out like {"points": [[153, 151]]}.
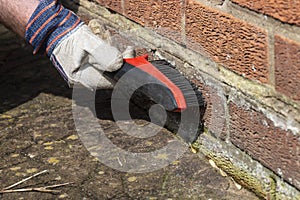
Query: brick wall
{"points": [[237, 44], [256, 45], [285, 11]]}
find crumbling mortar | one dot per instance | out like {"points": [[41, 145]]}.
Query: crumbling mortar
{"points": [[271, 57], [278, 118]]}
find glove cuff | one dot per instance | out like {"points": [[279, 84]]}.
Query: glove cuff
{"points": [[49, 24]]}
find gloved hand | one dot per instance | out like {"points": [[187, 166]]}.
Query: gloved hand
{"points": [[84, 57], [79, 55]]}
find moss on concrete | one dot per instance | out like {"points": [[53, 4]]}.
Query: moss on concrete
{"points": [[265, 185], [239, 175], [273, 184]]}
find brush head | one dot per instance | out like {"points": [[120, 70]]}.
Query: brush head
{"points": [[157, 80]]}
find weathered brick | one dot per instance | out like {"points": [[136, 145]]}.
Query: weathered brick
{"points": [[115, 5], [137, 10], [163, 16], [287, 67], [284, 10], [215, 114], [277, 149], [235, 44]]}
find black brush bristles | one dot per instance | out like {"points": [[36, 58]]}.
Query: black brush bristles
{"points": [[187, 88]]}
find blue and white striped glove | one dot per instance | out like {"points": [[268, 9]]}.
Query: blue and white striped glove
{"points": [[78, 54]]}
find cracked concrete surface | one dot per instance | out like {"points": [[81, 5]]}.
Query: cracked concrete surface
{"points": [[37, 132]]}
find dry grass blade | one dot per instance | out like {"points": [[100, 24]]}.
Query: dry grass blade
{"points": [[26, 179], [37, 189], [57, 185], [29, 190]]}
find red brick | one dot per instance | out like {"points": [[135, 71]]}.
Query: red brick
{"points": [[235, 44], [284, 10], [275, 148], [215, 114], [163, 16], [287, 67], [115, 5]]}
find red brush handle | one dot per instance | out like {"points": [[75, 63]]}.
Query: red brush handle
{"points": [[143, 64]]}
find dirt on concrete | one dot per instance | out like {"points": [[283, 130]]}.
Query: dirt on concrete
{"points": [[37, 133]]}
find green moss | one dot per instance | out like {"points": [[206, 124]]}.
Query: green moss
{"points": [[240, 176], [196, 146], [273, 187]]}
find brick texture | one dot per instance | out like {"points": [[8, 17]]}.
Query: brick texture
{"points": [[235, 44], [287, 67], [115, 5], [277, 149], [215, 114], [284, 10], [163, 16]]}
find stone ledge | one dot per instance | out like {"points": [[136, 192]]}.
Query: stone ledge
{"points": [[246, 171]]}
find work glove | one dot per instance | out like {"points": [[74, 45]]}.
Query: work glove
{"points": [[79, 55]]}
